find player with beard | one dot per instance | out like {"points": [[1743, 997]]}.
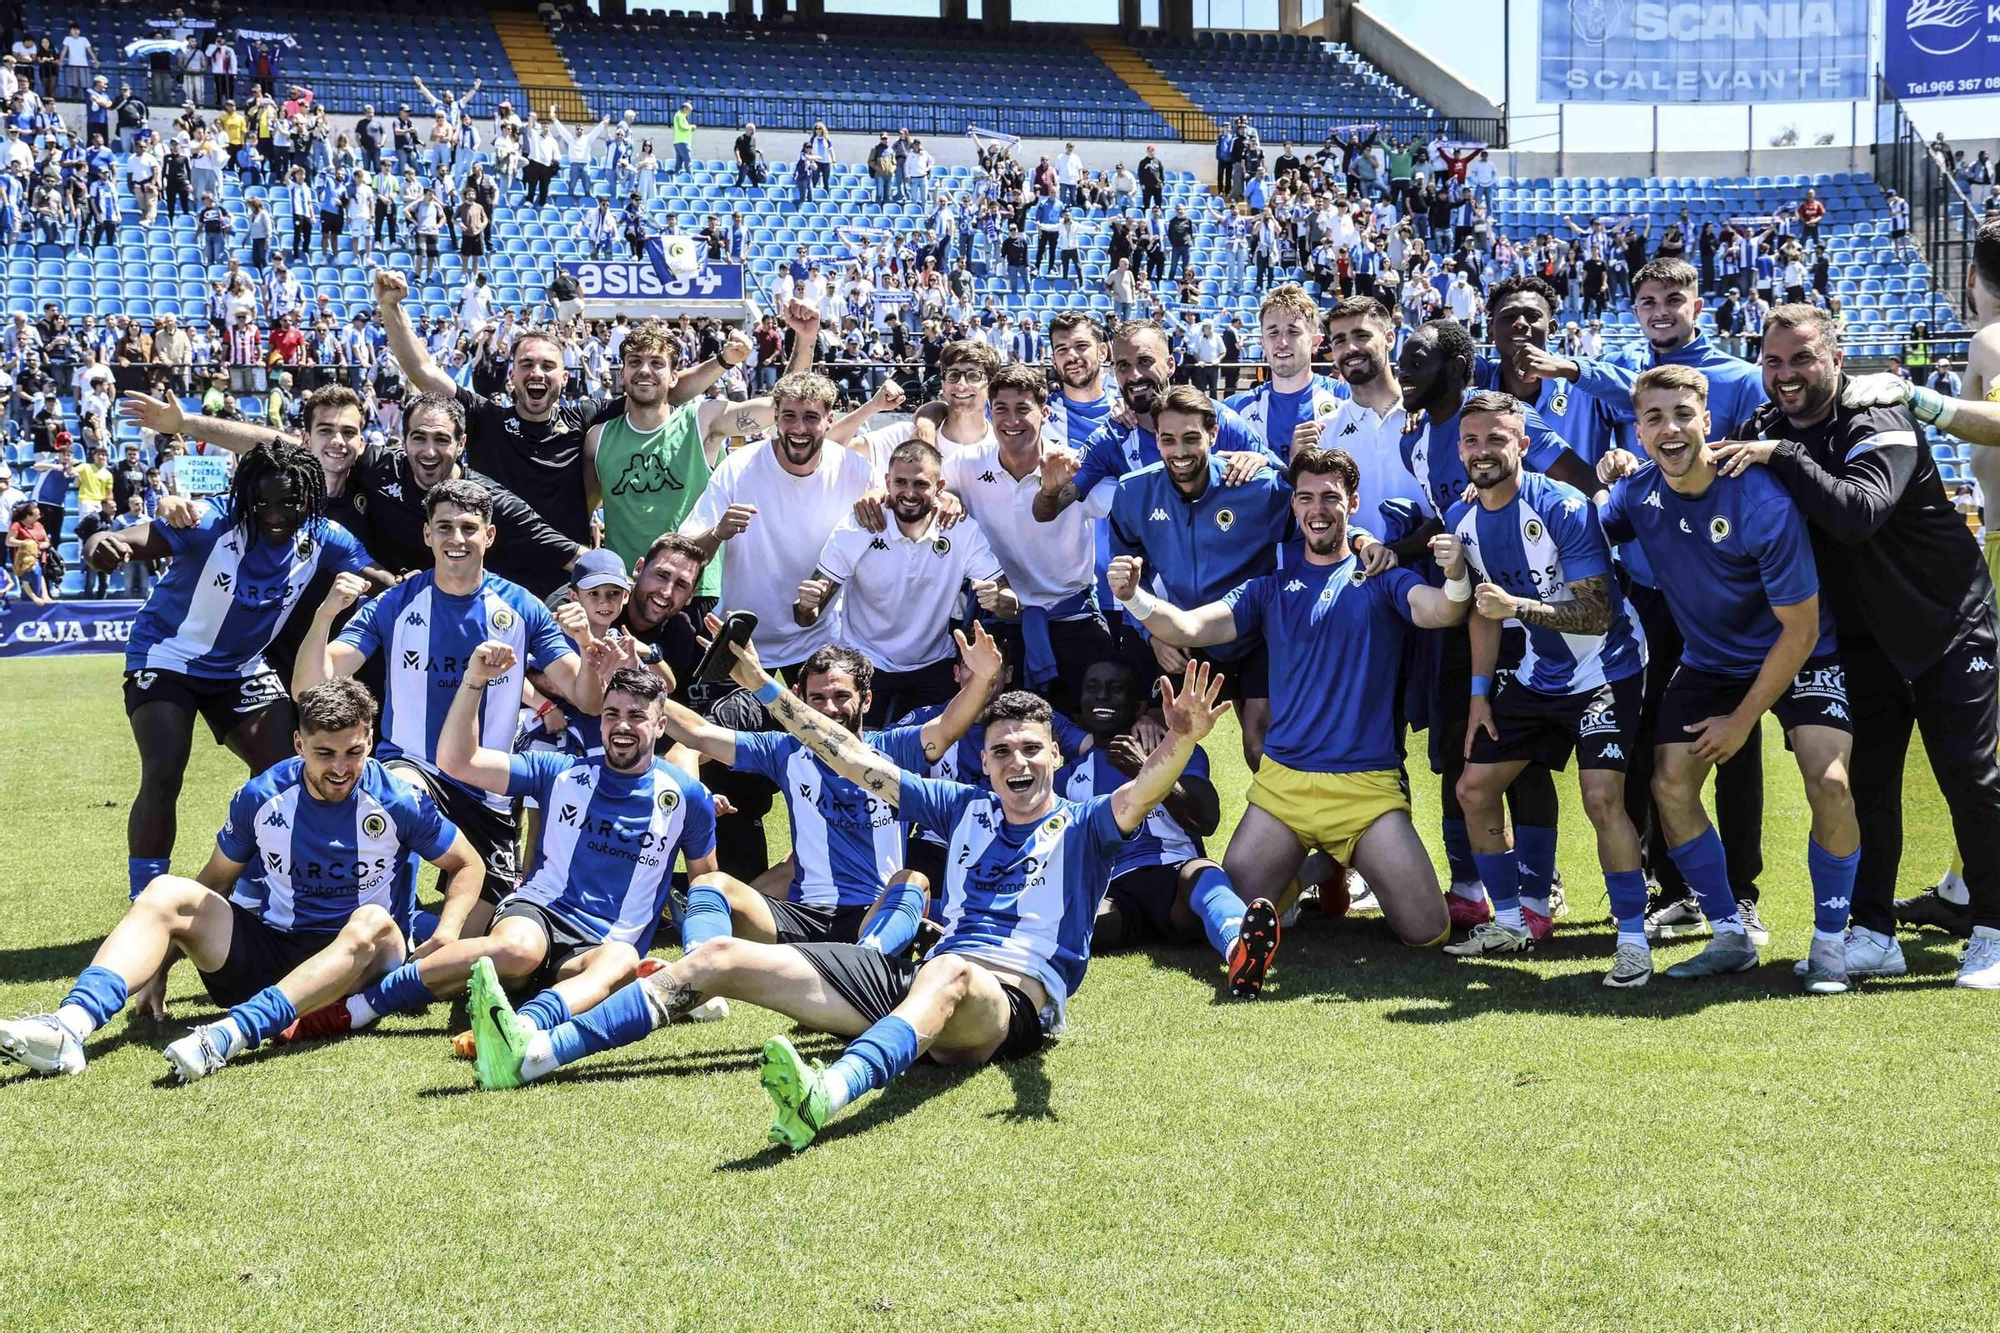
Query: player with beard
{"points": [[1435, 371], [1541, 559], [1083, 403], [576, 928], [1287, 408], [1332, 777], [1913, 605], [377, 492], [1027, 871], [899, 591], [534, 445], [1666, 300], [1745, 593], [848, 880], [197, 645], [1368, 423], [648, 466], [769, 508]]}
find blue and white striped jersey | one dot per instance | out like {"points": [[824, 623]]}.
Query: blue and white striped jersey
{"points": [[1536, 545], [845, 843], [309, 864], [609, 840], [228, 591], [1160, 841], [1274, 417], [1021, 897], [961, 762], [426, 636]]}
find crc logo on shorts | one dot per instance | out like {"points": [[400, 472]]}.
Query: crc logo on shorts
{"points": [[503, 619], [1718, 528], [942, 546], [1225, 519], [144, 679], [374, 825], [1828, 683], [1598, 719], [1533, 530], [262, 689], [503, 861], [669, 799]]}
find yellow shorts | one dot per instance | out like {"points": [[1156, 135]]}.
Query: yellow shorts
{"points": [[1328, 811], [1993, 558]]}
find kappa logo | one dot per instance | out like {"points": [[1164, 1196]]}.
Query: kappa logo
{"points": [[144, 679], [1718, 528], [1613, 752], [374, 825], [877, 544], [276, 819], [1158, 516], [1295, 586], [1685, 528], [394, 490], [1978, 664], [989, 475], [1351, 428], [1652, 500], [1835, 710], [1572, 505], [415, 618], [1838, 904]]}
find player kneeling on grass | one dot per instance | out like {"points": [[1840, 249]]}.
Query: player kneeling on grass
{"points": [[1024, 874], [1736, 567], [292, 909], [1332, 778], [613, 824]]}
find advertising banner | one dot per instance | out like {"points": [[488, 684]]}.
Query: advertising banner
{"points": [[1660, 51], [1941, 48]]}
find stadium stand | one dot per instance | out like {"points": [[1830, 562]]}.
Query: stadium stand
{"points": [[1273, 74]]}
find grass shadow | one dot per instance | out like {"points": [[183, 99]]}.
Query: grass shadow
{"points": [[47, 962]]}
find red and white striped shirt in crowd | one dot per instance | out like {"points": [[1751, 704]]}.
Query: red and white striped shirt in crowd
{"points": [[245, 345]]}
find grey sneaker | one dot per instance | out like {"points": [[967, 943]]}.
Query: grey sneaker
{"points": [[1730, 951], [1673, 920], [1491, 937], [1867, 956], [1631, 967], [1753, 925], [197, 1055], [42, 1043], [1826, 968]]}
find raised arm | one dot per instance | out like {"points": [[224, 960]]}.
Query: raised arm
{"points": [[1190, 715], [318, 659], [843, 751], [982, 658], [459, 752], [412, 357], [690, 729], [1203, 627], [1587, 609], [1440, 608], [165, 417]]}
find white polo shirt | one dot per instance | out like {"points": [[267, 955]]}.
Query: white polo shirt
{"points": [[899, 593], [1375, 442], [763, 566], [1045, 562]]}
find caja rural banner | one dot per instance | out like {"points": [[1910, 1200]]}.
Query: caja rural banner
{"points": [[1941, 48], [27, 630], [1705, 50]]}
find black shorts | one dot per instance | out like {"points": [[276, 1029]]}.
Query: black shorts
{"points": [[259, 955], [225, 703], [1453, 697], [1144, 899], [806, 923], [926, 858], [494, 834], [1245, 677], [875, 984], [330, 224], [1817, 697], [1601, 725], [430, 244], [565, 942]]}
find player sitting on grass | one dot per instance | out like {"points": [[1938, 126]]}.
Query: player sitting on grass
{"points": [[1023, 878], [292, 909], [576, 928]]}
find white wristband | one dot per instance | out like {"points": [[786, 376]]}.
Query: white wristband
{"points": [[1140, 604], [1458, 589]]}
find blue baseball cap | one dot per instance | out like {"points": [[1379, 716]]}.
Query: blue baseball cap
{"points": [[594, 569]]}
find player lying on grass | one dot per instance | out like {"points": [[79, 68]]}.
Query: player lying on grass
{"points": [[292, 909], [1024, 874], [614, 824]]}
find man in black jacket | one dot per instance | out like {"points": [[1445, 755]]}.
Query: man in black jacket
{"points": [[1152, 179], [1913, 606]]}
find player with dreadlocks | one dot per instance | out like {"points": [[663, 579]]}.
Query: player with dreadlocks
{"points": [[197, 646]]}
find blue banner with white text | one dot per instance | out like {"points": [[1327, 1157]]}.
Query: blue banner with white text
{"points": [[642, 280], [1688, 51], [1941, 48], [27, 630]]}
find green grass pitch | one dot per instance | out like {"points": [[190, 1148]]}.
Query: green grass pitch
{"points": [[1389, 1140]]}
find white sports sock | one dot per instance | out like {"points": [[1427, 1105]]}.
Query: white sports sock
{"points": [[1733, 926], [1875, 937], [1829, 936], [359, 1012], [77, 1019], [233, 1039], [837, 1093], [1511, 918], [540, 1058], [1952, 889], [1637, 937]]}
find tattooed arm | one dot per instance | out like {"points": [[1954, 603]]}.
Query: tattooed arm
{"points": [[842, 750], [1587, 611]]}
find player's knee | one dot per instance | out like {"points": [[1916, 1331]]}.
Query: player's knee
{"points": [[1472, 794], [171, 898], [1603, 804], [371, 927], [720, 957], [515, 959], [714, 879], [1193, 870], [1828, 789], [949, 977], [913, 877]]}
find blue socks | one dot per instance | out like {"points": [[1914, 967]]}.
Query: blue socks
{"points": [[707, 917], [1706, 869], [896, 918], [546, 1011], [1501, 874], [263, 1016], [1832, 888], [1628, 903], [1535, 854], [1458, 851], [398, 992], [870, 1061], [98, 993], [623, 1018], [1215, 900], [142, 870]]}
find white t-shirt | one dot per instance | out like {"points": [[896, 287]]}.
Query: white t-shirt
{"points": [[898, 594], [1375, 443], [76, 50], [1045, 562], [763, 566]]}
